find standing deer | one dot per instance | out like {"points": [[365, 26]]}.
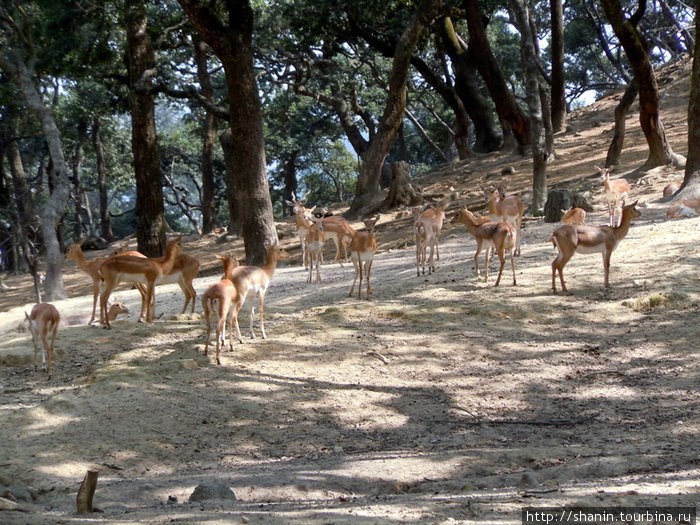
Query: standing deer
{"points": [[615, 193], [255, 280], [315, 239], [507, 208], [424, 232], [437, 216], [571, 239], [224, 299], [499, 236], [43, 321], [303, 224], [92, 268], [362, 248], [141, 270]]}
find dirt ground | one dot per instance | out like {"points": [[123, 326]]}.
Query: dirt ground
{"points": [[440, 400]]}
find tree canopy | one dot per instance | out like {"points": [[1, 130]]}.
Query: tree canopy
{"points": [[306, 96]]}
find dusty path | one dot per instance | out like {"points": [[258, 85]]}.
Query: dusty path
{"points": [[439, 399]]}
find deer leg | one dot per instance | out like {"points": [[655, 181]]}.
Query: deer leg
{"points": [[262, 319], [368, 269]]}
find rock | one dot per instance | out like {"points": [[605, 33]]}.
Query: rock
{"points": [[528, 479], [212, 491]]}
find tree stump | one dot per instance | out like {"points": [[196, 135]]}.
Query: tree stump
{"points": [[401, 191], [86, 492], [557, 200]]}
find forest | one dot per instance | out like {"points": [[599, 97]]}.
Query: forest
{"points": [[136, 117], [198, 132]]}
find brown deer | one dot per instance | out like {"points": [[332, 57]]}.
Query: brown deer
{"points": [[362, 249], [615, 193], [499, 236], [43, 321], [224, 299], [571, 239]]}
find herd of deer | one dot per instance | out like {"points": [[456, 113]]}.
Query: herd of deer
{"points": [[499, 231]]}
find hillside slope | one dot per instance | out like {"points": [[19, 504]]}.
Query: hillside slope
{"points": [[440, 400]]}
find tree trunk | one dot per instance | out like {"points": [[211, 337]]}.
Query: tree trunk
{"points": [[558, 93], [506, 105], [534, 104], [660, 151], [78, 194], [52, 210], [401, 191], [27, 222], [150, 220], [105, 222], [486, 136], [691, 182], [370, 171], [208, 140], [621, 110], [289, 169], [233, 44]]}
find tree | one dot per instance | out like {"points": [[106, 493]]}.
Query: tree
{"points": [[150, 220], [23, 73], [691, 181], [370, 171], [558, 77], [660, 151], [208, 139], [232, 42], [534, 104], [480, 49]]}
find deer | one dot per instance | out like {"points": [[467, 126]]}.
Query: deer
{"points": [[615, 193], [684, 208], [303, 224], [92, 268], [256, 280], [315, 239], [362, 248], [338, 229], [43, 321], [506, 208], [571, 239], [424, 231], [670, 189], [573, 216], [499, 236], [437, 215], [224, 299], [183, 272], [115, 309], [143, 270]]}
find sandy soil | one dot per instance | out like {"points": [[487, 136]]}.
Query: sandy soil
{"points": [[440, 400]]}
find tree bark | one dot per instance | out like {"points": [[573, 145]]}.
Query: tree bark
{"points": [[534, 104], [150, 219], [691, 181], [506, 105], [660, 151], [401, 191], [233, 44], [105, 222], [621, 110], [78, 193], [370, 170], [486, 136], [558, 94], [52, 211], [208, 140]]}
